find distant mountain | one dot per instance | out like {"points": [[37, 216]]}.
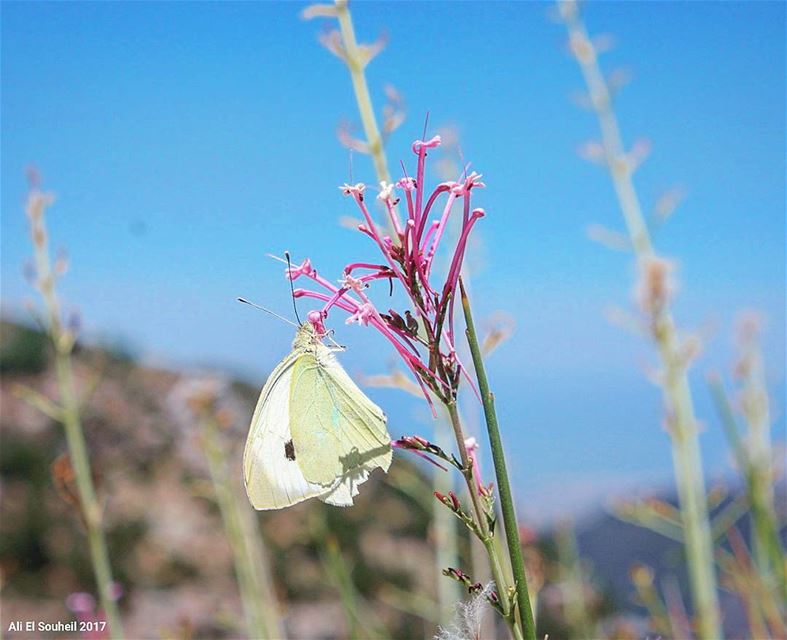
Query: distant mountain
{"points": [[611, 547]]}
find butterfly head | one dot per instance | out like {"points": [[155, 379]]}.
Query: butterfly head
{"points": [[306, 336]]}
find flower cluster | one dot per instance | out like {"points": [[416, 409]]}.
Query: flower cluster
{"points": [[424, 334]]}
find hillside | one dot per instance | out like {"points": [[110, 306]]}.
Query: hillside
{"points": [[169, 551]]}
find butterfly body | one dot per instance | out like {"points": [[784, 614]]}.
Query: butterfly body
{"points": [[314, 433]]}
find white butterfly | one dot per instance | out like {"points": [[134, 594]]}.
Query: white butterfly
{"points": [[314, 433]]}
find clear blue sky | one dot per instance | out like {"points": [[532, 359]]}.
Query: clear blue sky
{"points": [[186, 140]]}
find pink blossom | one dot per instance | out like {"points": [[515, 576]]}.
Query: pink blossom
{"points": [[315, 318], [423, 335], [406, 183], [304, 269], [362, 316], [81, 602], [386, 191], [471, 444], [83, 605]]}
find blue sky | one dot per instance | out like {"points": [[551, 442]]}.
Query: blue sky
{"points": [[186, 140]]}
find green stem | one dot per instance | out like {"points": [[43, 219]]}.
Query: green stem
{"points": [[254, 582], [258, 561], [510, 522], [690, 482], [445, 538], [362, 621], [642, 577], [487, 539], [570, 567], [355, 64], [684, 434], [70, 418], [765, 530], [768, 552], [77, 449]]}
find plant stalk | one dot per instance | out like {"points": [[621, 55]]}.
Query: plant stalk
{"points": [[445, 538], [77, 449], [355, 64], [572, 581], [63, 343], [496, 566], [251, 569], [687, 460], [765, 528], [510, 522], [768, 552]]}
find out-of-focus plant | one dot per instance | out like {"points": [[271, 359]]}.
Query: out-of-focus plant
{"points": [[92, 625], [343, 45], [763, 604], [362, 622], [444, 526], [655, 292], [657, 515], [202, 398], [644, 581], [572, 582], [754, 456], [66, 409], [571, 604]]}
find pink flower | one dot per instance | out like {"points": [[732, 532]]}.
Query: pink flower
{"points": [[356, 190], [304, 269], [315, 318], [83, 605], [81, 602], [472, 452], [423, 335], [362, 316], [406, 183], [386, 191]]}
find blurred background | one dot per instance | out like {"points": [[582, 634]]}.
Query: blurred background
{"points": [[186, 141]]}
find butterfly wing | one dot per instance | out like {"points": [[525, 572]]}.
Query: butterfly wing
{"points": [[272, 476], [347, 489], [337, 431]]}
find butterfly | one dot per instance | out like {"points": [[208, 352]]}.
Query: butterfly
{"points": [[314, 433]]}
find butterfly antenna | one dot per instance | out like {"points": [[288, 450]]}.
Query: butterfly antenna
{"points": [[292, 288], [426, 124], [273, 313]]}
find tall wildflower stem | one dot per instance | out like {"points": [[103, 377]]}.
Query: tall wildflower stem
{"points": [[570, 567], [510, 522], [765, 528], [69, 413], [446, 543], [356, 65], [683, 431], [757, 456], [251, 568], [496, 565]]}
